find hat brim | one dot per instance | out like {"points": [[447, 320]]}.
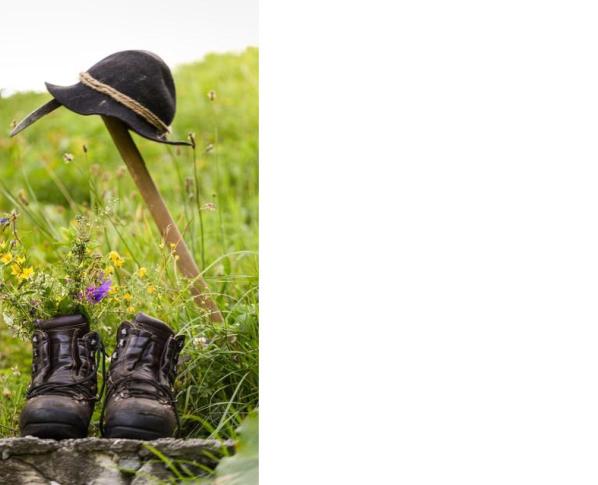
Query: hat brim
{"points": [[86, 101]]}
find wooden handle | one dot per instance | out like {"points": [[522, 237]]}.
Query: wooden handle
{"points": [[168, 228]]}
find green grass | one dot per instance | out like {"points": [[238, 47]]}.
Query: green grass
{"points": [[218, 382]]}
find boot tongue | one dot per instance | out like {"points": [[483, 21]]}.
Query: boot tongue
{"points": [[67, 322], [62, 331], [153, 325]]}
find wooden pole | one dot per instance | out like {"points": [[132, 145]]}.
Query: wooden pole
{"points": [[168, 228]]}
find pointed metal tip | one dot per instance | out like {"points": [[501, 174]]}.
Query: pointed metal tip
{"points": [[36, 115]]}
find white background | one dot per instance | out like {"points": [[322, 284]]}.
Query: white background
{"points": [[55, 40], [429, 242]]}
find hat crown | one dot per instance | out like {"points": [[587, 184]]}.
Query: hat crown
{"points": [[142, 76]]}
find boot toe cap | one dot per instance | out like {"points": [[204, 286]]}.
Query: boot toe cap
{"points": [[55, 417], [139, 418]]}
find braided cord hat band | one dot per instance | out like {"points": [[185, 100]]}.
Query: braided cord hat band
{"points": [[125, 100]]}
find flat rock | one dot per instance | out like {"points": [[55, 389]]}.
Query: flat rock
{"points": [[101, 461]]}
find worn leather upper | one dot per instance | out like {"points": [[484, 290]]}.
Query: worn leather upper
{"points": [[142, 373], [147, 350], [62, 394], [64, 352]]}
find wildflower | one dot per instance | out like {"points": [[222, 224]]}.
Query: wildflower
{"points": [[15, 270], [189, 187], [141, 272], [22, 197], [6, 258], [109, 270], [113, 289], [97, 294], [131, 309], [201, 342], [127, 297], [20, 259], [68, 157], [117, 259], [151, 289], [4, 221], [26, 273]]}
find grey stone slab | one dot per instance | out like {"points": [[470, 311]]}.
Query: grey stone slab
{"points": [[99, 461]]}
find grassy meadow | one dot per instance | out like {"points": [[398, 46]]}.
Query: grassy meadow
{"points": [[65, 165]]}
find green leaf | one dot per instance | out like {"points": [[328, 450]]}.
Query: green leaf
{"points": [[242, 467]]}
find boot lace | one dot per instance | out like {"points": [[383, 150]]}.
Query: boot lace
{"points": [[79, 390], [128, 386]]}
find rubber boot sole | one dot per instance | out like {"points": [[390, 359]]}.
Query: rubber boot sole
{"points": [[132, 433], [53, 431]]}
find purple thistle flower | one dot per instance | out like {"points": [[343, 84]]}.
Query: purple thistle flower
{"points": [[4, 221], [97, 294]]}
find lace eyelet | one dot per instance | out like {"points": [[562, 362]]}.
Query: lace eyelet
{"points": [[122, 342], [34, 339], [123, 331], [114, 355]]}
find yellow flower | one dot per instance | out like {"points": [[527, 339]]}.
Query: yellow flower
{"points": [[127, 297], [151, 289], [117, 259], [6, 258], [26, 273], [15, 269], [109, 270], [141, 272], [131, 309], [3, 245], [113, 289], [20, 259]]}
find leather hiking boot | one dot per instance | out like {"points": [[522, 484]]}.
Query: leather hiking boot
{"points": [[62, 394], [139, 400]]}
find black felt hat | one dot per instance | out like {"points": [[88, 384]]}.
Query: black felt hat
{"points": [[134, 86]]}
